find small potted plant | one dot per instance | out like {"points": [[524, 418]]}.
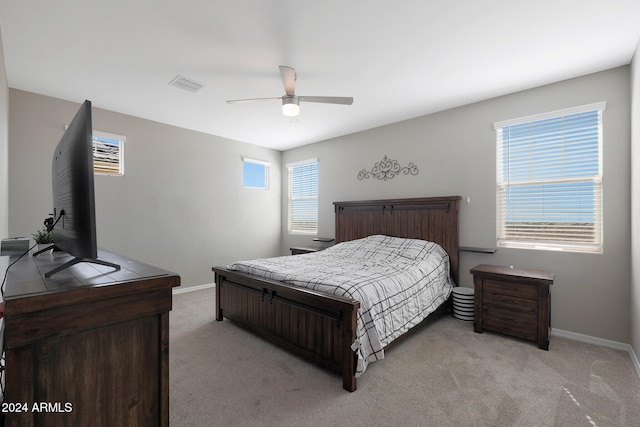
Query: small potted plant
{"points": [[43, 237]]}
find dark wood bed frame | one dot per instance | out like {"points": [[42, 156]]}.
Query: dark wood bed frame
{"points": [[322, 327]]}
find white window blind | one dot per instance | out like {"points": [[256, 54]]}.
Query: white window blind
{"points": [[549, 180], [255, 174], [303, 197], [108, 153]]}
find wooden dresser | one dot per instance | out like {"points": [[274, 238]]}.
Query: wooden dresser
{"points": [[88, 346], [513, 301]]}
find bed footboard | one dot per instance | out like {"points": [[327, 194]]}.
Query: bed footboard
{"points": [[316, 326]]}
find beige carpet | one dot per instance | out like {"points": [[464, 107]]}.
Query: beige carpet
{"points": [[443, 375]]}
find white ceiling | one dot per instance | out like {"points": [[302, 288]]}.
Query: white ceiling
{"points": [[398, 59]]}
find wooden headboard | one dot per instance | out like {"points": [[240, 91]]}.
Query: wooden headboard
{"points": [[429, 218]]}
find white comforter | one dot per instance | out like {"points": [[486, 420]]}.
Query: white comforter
{"points": [[398, 282]]}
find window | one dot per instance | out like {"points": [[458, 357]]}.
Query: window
{"points": [[549, 180], [108, 153], [255, 174], [303, 197]]}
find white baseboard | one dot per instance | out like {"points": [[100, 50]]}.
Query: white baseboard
{"points": [[600, 341], [182, 290]]}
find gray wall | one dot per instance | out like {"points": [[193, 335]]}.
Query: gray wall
{"points": [[180, 205], [635, 203], [4, 156], [455, 153]]}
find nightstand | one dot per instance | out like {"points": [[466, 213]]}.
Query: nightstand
{"points": [[513, 301], [299, 250]]}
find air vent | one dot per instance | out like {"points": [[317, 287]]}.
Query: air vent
{"points": [[186, 84]]}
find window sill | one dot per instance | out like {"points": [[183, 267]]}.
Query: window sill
{"points": [[551, 247]]}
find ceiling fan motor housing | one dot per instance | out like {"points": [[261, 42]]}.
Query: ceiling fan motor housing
{"points": [[290, 106]]}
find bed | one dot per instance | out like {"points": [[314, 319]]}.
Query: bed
{"points": [[321, 326]]}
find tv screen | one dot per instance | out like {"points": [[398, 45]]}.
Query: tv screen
{"points": [[74, 217], [73, 188]]}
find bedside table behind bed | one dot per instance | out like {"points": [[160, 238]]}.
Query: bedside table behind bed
{"points": [[513, 301]]}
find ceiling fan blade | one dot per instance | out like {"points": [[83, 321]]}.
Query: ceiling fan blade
{"points": [[346, 100], [233, 101], [288, 75]]}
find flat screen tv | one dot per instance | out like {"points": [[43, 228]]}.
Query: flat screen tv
{"points": [[74, 218]]}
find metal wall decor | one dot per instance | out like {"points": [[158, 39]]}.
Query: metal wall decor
{"points": [[387, 169]]}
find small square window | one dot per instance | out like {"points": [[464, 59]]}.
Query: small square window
{"points": [[108, 153], [255, 174]]}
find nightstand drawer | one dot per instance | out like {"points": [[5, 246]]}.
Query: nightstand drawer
{"points": [[517, 324], [511, 302], [511, 288]]}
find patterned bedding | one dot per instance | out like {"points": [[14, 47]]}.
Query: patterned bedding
{"points": [[398, 282]]}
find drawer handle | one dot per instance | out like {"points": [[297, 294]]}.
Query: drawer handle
{"points": [[509, 319]]}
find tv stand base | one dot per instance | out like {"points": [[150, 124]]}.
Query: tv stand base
{"points": [[74, 261], [79, 260]]}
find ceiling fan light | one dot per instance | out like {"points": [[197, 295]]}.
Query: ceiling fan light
{"points": [[290, 107]]}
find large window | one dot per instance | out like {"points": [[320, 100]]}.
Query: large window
{"points": [[303, 197], [108, 153], [549, 180]]}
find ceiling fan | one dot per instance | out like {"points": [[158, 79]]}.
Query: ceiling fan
{"points": [[291, 101]]}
